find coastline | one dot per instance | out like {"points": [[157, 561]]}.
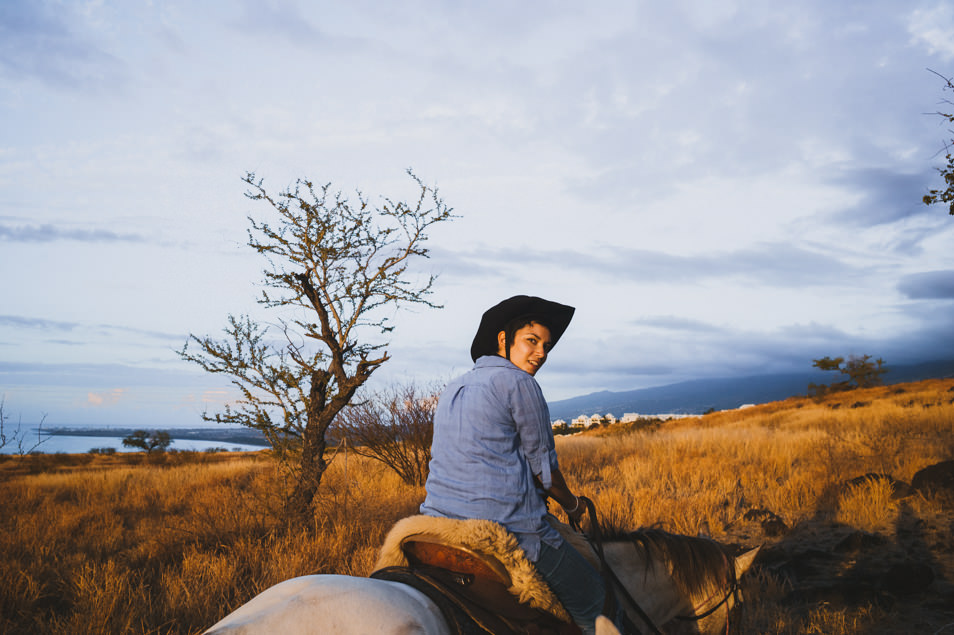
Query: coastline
{"points": [[245, 436]]}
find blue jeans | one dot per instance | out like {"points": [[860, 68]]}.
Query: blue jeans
{"points": [[575, 582]]}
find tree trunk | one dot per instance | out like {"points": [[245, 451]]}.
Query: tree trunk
{"points": [[313, 446], [313, 466]]}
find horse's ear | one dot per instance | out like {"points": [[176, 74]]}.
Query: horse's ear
{"points": [[605, 627], [743, 562], [703, 531]]}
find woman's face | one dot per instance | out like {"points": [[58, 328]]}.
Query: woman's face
{"points": [[531, 344]]}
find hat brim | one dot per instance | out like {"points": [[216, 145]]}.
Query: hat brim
{"points": [[557, 317]]}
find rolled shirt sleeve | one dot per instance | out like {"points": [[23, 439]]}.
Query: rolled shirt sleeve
{"points": [[532, 418]]}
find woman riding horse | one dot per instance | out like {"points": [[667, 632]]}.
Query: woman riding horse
{"points": [[493, 455]]}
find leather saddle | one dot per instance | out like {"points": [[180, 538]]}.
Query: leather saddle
{"points": [[475, 589]]}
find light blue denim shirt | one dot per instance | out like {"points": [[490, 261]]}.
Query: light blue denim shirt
{"points": [[491, 435]]}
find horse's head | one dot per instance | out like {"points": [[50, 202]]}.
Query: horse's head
{"points": [[685, 584], [713, 611]]}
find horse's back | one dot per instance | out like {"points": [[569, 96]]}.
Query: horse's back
{"points": [[334, 604]]}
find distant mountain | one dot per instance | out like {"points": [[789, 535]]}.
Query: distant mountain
{"points": [[698, 396]]}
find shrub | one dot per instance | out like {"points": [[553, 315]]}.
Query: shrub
{"points": [[157, 441]]}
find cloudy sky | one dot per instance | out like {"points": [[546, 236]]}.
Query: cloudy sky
{"points": [[720, 189]]}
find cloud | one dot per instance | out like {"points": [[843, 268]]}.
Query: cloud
{"points": [[40, 41], [930, 338], [675, 323], [651, 356], [49, 233], [18, 321], [459, 264], [638, 95], [98, 377], [108, 330], [215, 399], [101, 399], [885, 195], [770, 263], [277, 17], [934, 29], [929, 285], [670, 125], [218, 396]]}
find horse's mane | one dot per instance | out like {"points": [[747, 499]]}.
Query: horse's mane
{"points": [[698, 564]]}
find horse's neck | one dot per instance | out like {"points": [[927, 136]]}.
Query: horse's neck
{"points": [[649, 583]]}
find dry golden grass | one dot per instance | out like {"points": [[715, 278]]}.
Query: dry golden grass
{"points": [[794, 459], [172, 548], [704, 472], [120, 544]]}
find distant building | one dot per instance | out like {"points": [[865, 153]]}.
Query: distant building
{"points": [[583, 421], [559, 424]]}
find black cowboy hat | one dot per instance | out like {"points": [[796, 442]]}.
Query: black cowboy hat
{"points": [[555, 317]]}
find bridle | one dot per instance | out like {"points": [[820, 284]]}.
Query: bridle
{"points": [[595, 538], [734, 592]]}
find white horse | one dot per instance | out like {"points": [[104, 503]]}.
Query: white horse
{"points": [[681, 584]]}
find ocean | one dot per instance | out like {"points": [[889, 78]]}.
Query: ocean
{"points": [[26, 437]]}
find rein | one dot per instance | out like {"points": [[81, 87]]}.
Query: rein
{"points": [[595, 538]]}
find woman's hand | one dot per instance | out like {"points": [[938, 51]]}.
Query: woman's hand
{"points": [[575, 512], [560, 492]]}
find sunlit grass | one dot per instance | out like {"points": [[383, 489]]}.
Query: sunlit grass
{"points": [[112, 544], [869, 506]]}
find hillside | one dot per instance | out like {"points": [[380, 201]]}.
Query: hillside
{"points": [[702, 395]]}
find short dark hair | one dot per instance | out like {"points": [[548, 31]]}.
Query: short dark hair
{"points": [[510, 328]]}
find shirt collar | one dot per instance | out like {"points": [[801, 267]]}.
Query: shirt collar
{"points": [[495, 361]]}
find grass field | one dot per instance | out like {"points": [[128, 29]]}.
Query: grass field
{"points": [[171, 543]]}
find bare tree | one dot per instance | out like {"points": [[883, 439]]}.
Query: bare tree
{"points": [[947, 172], [395, 427], [17, 436], [338, 269]]}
